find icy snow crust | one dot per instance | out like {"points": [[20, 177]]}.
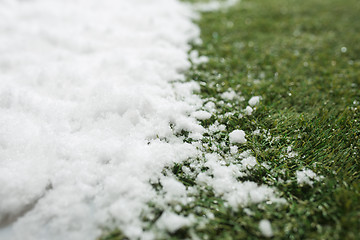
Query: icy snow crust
{"points": [[85, 96]]}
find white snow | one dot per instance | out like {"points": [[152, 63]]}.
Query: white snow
{"points": [[248, 110], [215, 5], [249, 162], [290, 152], [173, 222], [254, 100], [91, 101], [237, 136], [196, 59], [233, 149], [306, 176], [201, 115], [230, 94], [265, 228], [222, 178], [85, 95]]}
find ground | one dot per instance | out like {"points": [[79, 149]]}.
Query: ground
{"points": [[303, 59]]}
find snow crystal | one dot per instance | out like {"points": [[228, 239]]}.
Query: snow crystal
{"points": [[254, 100], [237, 136], [87, 89], [265, 228]]}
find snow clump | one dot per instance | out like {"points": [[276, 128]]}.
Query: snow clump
{"points": [[201, 115], [248, 110], [265, 228], [237, 136], [254, 100], [306, 176]]}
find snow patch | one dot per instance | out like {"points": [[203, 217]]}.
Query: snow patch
{"points": [[306, 176], [237, 136], [265, 228], [172, 222], [254, 100], [87, 90], [248, 110], [201, 115], [230, 94], [215, 5]]}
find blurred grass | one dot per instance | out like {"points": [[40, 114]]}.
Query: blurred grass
{"points": [[303, 58]]}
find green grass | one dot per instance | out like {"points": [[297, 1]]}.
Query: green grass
{"points": [[303, 58]]}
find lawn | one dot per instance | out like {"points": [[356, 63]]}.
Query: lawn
{"points": [[303, 59]]}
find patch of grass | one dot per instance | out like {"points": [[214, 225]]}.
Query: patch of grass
{"points": [[303, 59]]}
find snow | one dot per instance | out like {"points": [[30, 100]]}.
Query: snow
{"points": [[215, 5], [265, 228], [173, 222], [230, 94], [237, 136], [306, 176], [254, 101], [222, 178], [196, 59], [248, 110], [291, 153], [92, 101], [249, 162], [87, 90], [201, 115]]}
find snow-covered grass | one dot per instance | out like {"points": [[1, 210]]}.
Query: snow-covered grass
{"points": [[302, 59], [297, 69], [125, 148], [88, 90]]}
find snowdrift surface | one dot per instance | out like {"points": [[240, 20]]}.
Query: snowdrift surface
{"points": [[85, 94]]}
